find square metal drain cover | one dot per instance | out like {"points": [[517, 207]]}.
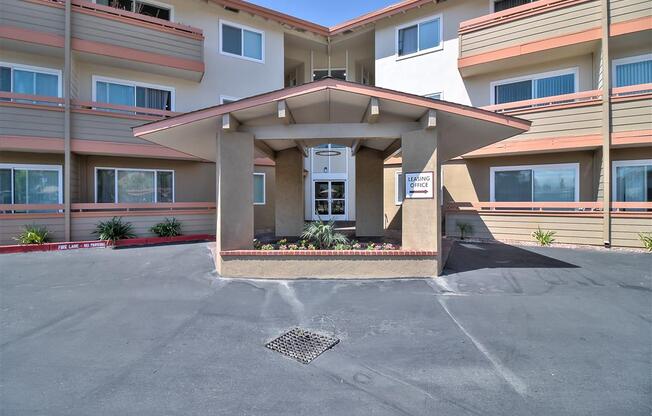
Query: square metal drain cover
{"points": [[304, 346]]}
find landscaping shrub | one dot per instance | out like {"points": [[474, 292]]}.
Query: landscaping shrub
{"points": [[465, 229], [322, 235], [33, 234], [267, 247], [114, 230], [168, 228], [545, 238], [646, 239]]}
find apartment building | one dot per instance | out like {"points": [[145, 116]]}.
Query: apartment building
{"points": [[77, 75]]}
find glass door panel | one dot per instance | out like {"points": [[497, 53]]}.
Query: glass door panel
{"points": [[330, 200]]}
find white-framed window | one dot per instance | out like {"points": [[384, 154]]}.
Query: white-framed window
{"points": [[435, 96], [337, 73], [242, 41], [225, 99], [535, 183], [126, 185], [419, 36], [633, 70], [146, 8], [547, 84], [132, 94], [31, 184], [399, 188], [500, 5], [30, 80], [633, 180], [259, 188]]}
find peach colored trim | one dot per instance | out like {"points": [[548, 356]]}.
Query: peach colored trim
{"points": [[125, 16], [28, 207], [515, 13], [640, 88], [136, 55], [59, 4], [29, 216], [109, 214], [90, 105], [533, 205], [30, 97], [538, 103], [162, 206], [328, 253], [631, 205], [31, 36], [530, 47], [388, 11], [632, 138], [632, 97], [326, 84], [31, 106], [127, 149], [538, 145], [29, 143], [263, 161], [104, 113], [630, 26], [596, 214], [397, 160]]}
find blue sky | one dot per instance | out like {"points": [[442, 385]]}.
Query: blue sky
{"points": [[327, 13]]}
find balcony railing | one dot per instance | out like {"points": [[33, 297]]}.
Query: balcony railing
{"points": [[585, 97], [573, 208]]}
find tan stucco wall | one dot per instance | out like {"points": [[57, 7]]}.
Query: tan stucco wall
{"points": [[264, 215], [369, 195], [289, 193], [392, 212]]}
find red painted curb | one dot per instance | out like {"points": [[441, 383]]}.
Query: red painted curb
{"points": [[146, 241]]}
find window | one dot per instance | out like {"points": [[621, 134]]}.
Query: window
{"points": [[337, 73], [21, 79], [242, 41], [153, 9], [259, 189], [133, 185], [633, 181], [424, 35], [544, 183], [634, 70], [435, 96], [399, 188], [30, 184], [534, 86], [500, 5], [132, 94]]}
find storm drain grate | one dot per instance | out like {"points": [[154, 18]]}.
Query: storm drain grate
{"points": [[304, 346]]}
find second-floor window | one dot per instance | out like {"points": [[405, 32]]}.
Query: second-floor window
{"points": [[132, 94], [30, 80], [534, 86], [147, 8], [119, 185], [542, 183], [242, 41], [634, 70], [421, 36]]}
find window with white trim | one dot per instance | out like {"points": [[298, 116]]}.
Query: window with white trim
{"points": [[30, 184], [120, 185], [259, 188], [132, 94], [30, 80], [419, 37], [242, 41], [634, 70], [540, 183], [146, 8], [633, 180], [535, 86], [399, 188]]}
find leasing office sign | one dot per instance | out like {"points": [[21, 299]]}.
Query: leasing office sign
{"points": [[419, 185]]}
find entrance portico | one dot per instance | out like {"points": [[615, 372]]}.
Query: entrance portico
{"points": [[285, 125]]}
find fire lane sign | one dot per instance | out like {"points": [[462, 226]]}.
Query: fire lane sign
{"points": [[419, 185]]}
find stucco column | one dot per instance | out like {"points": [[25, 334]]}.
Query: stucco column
{"points": [[369, 193], [235, 191], [289, 193], [421, 222]]}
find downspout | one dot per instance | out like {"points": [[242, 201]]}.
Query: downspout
{"points": [[606, 126], [67, 68]]}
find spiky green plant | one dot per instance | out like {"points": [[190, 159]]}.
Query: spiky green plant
{"points": [[33, 234], [322, 235], [168, 228], [114, 230], [465, 229], [646, 239], [545, 238]]}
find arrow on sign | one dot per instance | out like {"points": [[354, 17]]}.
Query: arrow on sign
{"points": [[419, 192]]}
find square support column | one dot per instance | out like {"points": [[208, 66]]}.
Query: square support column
{"points": [[289, 193], [421, 217], [369, 193], [235, 191]]}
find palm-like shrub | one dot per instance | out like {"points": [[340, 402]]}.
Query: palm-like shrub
{"points": [[322, 235], [646, 239], [114, 230], [168, 228], [545, 238], [33, 234]]}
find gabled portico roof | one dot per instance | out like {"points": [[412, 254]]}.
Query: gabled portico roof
{"points": [[336, 111]]}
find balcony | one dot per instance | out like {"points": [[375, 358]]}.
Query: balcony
{"points": [[518, 35], [105, 35], [631, 121]]}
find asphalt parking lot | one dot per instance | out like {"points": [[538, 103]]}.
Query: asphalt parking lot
{"points": [[153, 331]]}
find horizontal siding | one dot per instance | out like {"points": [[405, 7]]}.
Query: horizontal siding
{"points": [[83, 227], [27, 15], [624, 10], [632, 115], [10, 228], [567, 122], [571, 230], [98, 29], [625, 231], [17, 121], [558, 22], [105, 128]]}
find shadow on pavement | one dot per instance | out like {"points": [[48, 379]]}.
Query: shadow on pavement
{"points": [[467, 256]]}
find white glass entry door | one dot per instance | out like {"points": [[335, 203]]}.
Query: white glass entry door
{"points": [[329, 200]]}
